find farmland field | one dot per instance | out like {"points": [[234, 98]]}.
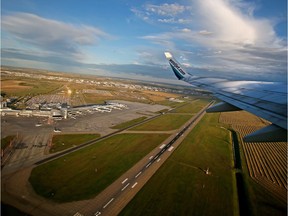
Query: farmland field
{"points": [[181, 187], [85, 173], [265, 163], [24, 87]]}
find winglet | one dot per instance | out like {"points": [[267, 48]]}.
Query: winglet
{"points": [[177, 69], [168, 55]]}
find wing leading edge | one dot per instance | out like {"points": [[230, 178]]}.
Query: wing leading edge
{"points": [[267, 100]]}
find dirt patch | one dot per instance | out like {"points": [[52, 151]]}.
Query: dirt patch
{"points": [[13, 85]]}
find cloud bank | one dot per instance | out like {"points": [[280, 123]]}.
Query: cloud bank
{"points": [[225, 36], [51, 37], [209, 37]]}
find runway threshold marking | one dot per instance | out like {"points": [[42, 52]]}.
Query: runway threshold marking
{"points": [[125, 187], [124, 181], [108, 203]]}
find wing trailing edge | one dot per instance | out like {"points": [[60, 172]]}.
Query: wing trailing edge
{"points": [[271, 133], [222, 107]]}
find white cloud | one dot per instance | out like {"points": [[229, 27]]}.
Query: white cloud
{"points": [[228, 34], [50, 35], [231, 25], [165, 9], [164, 13], [205, 32], [173, 21]]}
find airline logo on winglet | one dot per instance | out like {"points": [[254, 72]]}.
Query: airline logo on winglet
{"points": [[178, 71], [177, 67]]}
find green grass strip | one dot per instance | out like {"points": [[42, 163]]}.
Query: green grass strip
{"points": [[65, 141], [193, 107], [163, 123], [6, 141], [181, 187], [85, 173], [129, 123]]}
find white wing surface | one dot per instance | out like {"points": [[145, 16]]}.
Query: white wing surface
{"points": [[267, 100]]}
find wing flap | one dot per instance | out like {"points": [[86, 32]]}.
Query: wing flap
{"points": [[271, 133], [222, 107]]}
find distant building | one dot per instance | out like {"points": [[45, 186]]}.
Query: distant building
{"points": [[56, 113]]}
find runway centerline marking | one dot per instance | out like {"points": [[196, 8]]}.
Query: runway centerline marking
{"points": [[125, 187], [148, 165], [124, 181], [108, 202], [138, 174]]}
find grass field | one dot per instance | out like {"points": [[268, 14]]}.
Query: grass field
{"points": [[172, 104], [6, 141], [158, 96], [65, 141], [181, 187], [129, 123], [85, 173], [163, 123], [192, 107]]}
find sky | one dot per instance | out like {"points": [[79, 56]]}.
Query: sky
{"points": [[234, 39]]}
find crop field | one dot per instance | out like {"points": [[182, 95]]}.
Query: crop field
{"points": [[85, 173], [192, 107], [163, 123], [266, 162], [65, 141], [181, 187], [23, 87]]}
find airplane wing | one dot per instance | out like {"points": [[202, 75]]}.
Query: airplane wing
{"points": [[267, 100]]}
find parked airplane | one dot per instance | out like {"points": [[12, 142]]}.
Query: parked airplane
{"points": [[267, 100]]}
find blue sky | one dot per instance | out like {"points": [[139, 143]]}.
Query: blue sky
{"points": [[235, 39]]}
